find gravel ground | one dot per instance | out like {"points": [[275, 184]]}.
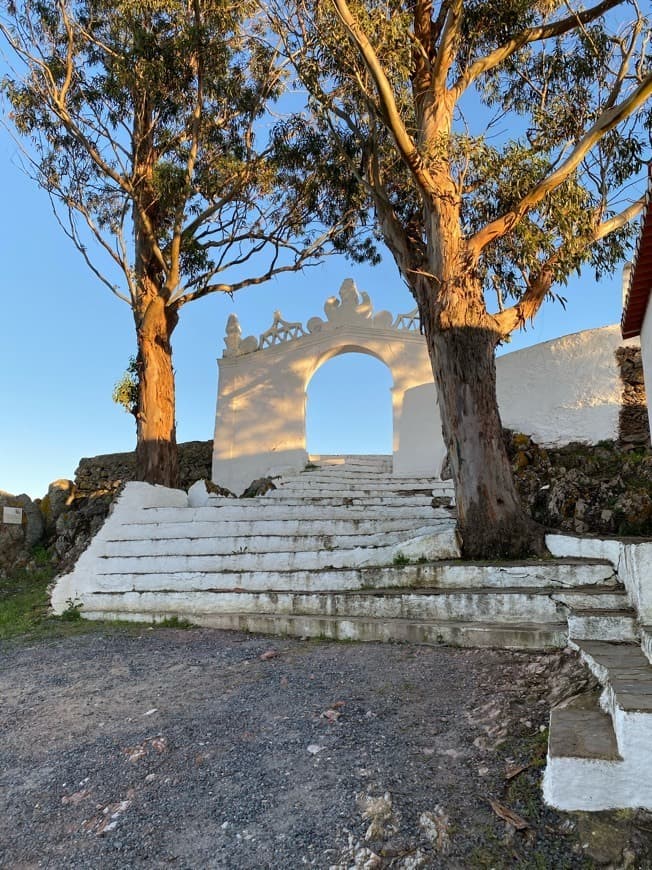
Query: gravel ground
{"points": [[208, 749]]}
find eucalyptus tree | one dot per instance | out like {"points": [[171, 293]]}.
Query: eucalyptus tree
{"points": [[148, 124], [495, 147]]}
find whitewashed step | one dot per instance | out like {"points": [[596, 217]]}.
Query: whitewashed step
{"points": [[495, 606], [346, 477], [445, 544], [287, 528], [226, 544], [646, 641], [445, 575], [260, 508], [574, 782], [387, 500], [607, 624], [526, 635], [341, 488]]}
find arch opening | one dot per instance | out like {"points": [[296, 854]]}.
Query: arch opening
{"points": [[349, 405]]}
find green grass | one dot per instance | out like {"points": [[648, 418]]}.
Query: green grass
{"points": [[25, 607]]}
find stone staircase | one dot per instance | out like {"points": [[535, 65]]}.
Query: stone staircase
{"points": [[343, 550]]}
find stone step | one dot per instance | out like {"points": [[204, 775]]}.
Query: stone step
{"points": [[432, 546], [603, 624], [575, 782], [346, 476], [352, 460], [646, 641], [444, 575], [286, 528], [626, 675], [583, 757], [226, 544], [261, 508], [334, 488], [525, 635], [295, 499], [495, 606]]}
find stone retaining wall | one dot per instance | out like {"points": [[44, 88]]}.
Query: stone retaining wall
{"points": [[111, 470]]}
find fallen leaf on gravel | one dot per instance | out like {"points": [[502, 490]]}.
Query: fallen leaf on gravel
{"points": [[75, 798], [508, 815], [135, 753], [160, 744], [108, 820], [331, 715], [270, 654], [380, 813], [314, 748], [338, 705], [513, 770], [436, 826]]}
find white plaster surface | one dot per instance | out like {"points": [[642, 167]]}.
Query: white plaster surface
{"points": [[260, 426], [557, 392]]}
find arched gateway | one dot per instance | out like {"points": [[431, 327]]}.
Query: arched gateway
{"points": [[260, 425]]}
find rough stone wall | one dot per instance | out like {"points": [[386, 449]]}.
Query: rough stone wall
{"points": [[603, 489], [633, 426], [110, 471]]}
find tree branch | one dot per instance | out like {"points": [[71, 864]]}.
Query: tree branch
{"points": [[532, 34], [404, 142], [539, 286], [606, 122]]}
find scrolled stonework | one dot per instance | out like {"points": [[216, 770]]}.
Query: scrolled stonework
{"points": [[352, 308]]}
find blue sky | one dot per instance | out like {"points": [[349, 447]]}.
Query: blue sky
{"points": [[65, 340]]}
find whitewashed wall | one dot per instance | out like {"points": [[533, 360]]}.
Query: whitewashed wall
{"points": [[260, 425], [559, 391]]}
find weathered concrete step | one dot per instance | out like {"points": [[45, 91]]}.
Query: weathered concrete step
{"points": [[371, 460], [287, 528], [347, 477], [579, 728], [441, 575], [526, 635], [508, 605], [310, 483], [439, 545], [261, 508], [603, 624], [576, 782], [342, 500], [626, 674], [228, 544]]}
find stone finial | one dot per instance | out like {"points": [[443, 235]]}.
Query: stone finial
{"points": [[233, 335]]}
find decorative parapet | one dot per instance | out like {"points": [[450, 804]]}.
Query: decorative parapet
{"points": [[280, 331], [351, 309]]}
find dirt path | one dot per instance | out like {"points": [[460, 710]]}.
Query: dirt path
{"points": [[156, 748]]}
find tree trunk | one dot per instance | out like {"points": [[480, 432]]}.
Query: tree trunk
{"points": [[491, 520], [156, 448]]}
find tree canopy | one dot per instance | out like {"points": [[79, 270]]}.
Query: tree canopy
{"points": [[530, 117], [148, 122], [495, 147]]}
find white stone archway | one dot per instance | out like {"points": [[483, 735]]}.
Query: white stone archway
{"points": [[260, 425]]}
